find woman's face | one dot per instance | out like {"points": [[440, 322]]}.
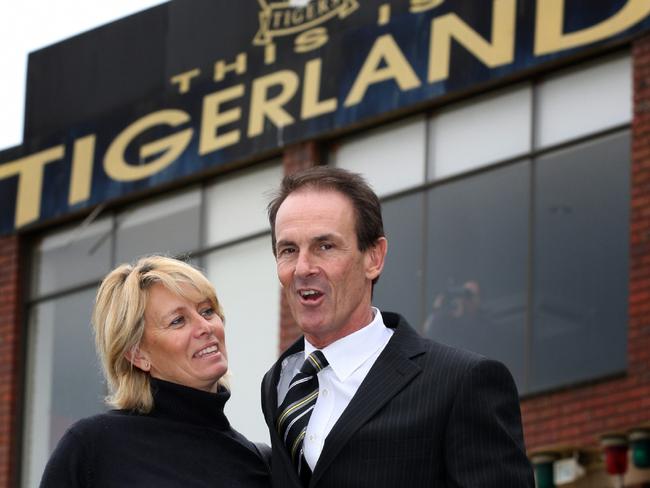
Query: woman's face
{"points": [[184, 340]]}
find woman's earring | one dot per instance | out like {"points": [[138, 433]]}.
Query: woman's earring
{"points": [[146, 365]]}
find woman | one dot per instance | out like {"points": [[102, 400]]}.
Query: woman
{"points": [[159, 333]]}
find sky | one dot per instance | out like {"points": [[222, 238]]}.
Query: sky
{"points": [[28, 25]]}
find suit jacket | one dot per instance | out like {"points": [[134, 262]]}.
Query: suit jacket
{"points": [[425, 415]]}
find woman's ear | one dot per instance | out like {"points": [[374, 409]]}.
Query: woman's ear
{"points": [[138, 359]]}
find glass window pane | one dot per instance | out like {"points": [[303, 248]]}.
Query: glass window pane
{"points": [[64, 379], [169, 225], [477, 256], [580, 262], [89, 248], [400, 285], [247, 285], [584, 101], [245, 195], [480, 132], [391, 158]]}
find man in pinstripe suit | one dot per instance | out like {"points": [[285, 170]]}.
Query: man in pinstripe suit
{"points": [[393, 409]]}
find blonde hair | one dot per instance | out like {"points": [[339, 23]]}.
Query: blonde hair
{"points": [[118, 322]]}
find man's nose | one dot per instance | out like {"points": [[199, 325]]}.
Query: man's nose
{"points": [[305, 265]]}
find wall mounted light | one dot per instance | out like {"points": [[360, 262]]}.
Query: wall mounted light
{"points": [[640, 445], [615, 448], [543, 464]]}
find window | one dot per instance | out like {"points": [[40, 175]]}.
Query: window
{"points": [[377, 152], [516, 246], [476, 262], [580, 262]]}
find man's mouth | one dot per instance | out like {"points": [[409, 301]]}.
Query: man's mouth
{"points": [[207, 351], [310, 295]]}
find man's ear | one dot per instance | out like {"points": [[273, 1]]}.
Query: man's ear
{"points": [[138, 358], [375, 257]]}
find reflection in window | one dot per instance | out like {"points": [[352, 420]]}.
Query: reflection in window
{"points": [[245, 274], [476, 278], [88, 247], [498, 126], [584, 100], [236, 204], [580, 262], [64, 378], [399, 288], [375, 153], [169, 225]]}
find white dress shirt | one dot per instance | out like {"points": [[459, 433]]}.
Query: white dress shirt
{"points": [[350, 358]]}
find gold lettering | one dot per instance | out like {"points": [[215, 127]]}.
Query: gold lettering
{"points": [[239, 67], [184, 80], [83, 156], [269, 53], [212, 119], [311, 39], [549, 28], [418, 6], [396, 67], [262, 107], [30, 182], [277, 18], [500, 52], [384, 14], [323, 8], [297, 16], [311, 106], [171, 147]]}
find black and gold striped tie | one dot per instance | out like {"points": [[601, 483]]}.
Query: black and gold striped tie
{"points": [[295, 410]]}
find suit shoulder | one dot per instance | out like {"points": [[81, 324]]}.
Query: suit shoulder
{"points": [[464, 364], [442, 356]]}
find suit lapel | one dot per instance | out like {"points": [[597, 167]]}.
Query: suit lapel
{"points": [[393, 370], [270, 395]]}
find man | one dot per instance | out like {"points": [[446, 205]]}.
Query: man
{"points": [[362, 400]]}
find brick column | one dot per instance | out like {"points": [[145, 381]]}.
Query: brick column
{"points": [[639, 309], [295, 158], [578, 416], [9, 356]]}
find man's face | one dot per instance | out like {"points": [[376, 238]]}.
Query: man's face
{"points": [[327, 281]]}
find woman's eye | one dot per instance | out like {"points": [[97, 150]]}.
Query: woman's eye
{"points": [[177, 321], [208, 312]]}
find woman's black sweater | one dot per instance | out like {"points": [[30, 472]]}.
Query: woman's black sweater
{"points": [[185, 441]]}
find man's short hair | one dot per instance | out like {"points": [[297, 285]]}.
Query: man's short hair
{"points": [[368, 223]]}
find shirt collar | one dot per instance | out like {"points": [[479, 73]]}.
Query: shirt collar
{"points": [[348, 353]]}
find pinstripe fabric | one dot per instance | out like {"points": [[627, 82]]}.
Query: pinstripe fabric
{"points": [[427, 415], [296, 408]]}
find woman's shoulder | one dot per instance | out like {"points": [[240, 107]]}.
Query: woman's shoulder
{"points": [[98, 423]]}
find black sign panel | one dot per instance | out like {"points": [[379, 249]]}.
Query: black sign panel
{"points": [[186, 87]]}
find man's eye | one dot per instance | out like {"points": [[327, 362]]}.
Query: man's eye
{"points": [[286, 251], [326, 246]]}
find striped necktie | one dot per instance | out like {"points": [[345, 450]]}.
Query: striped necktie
{"points": [[295, 410]]}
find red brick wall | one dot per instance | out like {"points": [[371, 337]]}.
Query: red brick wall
{"points": [[579, 416], [9, 351]]}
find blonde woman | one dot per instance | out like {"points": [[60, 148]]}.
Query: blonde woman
{"points": [[159, 332]]}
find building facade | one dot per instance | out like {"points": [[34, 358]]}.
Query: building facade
{"points": [[509, 142]]}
